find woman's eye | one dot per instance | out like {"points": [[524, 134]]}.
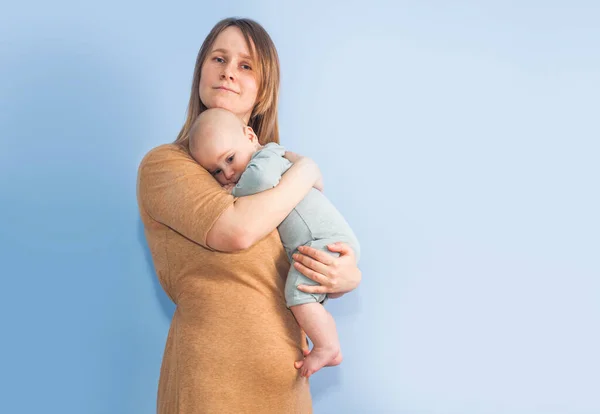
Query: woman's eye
{"points": [[219, 59], [246, 67]]}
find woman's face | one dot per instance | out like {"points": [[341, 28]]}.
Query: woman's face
{"points": [[228, 79]]}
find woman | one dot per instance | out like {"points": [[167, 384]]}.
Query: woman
{"points": [[232, 344]]}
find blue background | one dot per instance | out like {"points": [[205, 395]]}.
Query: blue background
{"points": [[460, 141]]}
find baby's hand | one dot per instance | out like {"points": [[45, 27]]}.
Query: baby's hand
{"points": [[229, 187]]}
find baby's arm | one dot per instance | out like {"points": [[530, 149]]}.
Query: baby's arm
{"points": [[261, 174]]}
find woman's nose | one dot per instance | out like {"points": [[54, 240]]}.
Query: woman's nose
{"points": [[227, 73]]}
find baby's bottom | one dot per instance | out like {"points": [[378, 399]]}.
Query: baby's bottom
{"points": [[319, 325]]}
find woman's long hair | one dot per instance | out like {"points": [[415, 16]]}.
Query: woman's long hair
{"points": [[263, 119]]}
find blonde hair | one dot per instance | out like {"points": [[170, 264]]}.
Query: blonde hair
{"points": [[263, 119]]}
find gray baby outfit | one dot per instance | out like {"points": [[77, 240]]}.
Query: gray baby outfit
{"points": [[313, 222]]}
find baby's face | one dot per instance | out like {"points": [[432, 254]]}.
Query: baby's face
{"points": [[226, 151]]}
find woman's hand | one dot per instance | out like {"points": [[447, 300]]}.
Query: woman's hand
{"points": [[293, 157], [336, 275], [299, 159]]}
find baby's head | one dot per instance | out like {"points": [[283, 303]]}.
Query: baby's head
{"points": [[222, 144]]}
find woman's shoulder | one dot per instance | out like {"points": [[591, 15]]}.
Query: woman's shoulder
{"points": [[165, 152], [167, 156]]}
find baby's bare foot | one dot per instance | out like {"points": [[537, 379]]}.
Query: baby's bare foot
{"points": [[318, 358], [306, 352]]}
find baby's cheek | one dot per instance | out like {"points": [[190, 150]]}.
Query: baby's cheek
{"points": [[239, 169]]}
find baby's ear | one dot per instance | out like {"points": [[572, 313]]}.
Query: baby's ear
{"points": [[250, 134]]}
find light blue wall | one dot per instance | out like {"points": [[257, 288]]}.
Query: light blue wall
{"points": [[461, 142]]}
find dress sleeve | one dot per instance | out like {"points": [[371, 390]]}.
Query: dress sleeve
{"points": [[262, 173], [176, 191]]}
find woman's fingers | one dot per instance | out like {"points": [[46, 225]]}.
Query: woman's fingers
{"points": [[333, 274], [318, 255], [342, 248], [310, 263], [311, 274], [292, 156]]}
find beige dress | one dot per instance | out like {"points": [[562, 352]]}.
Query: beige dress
{"points": [[232, 342]]}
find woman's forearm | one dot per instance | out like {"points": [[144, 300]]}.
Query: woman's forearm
{"points": [[253, 217]]}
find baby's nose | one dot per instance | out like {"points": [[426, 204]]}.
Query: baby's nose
{"points": [[229, 174]]}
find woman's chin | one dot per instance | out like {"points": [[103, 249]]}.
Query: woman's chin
{"points": [[227, 104], [223, 104]]}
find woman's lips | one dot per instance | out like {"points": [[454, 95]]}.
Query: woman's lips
{"points": [[223, 88]]}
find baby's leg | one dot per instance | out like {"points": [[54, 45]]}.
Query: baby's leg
{"points": [[319, 325], [313, 318]]}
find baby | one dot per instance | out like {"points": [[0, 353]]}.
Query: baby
{"points": [[230, 151]]}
